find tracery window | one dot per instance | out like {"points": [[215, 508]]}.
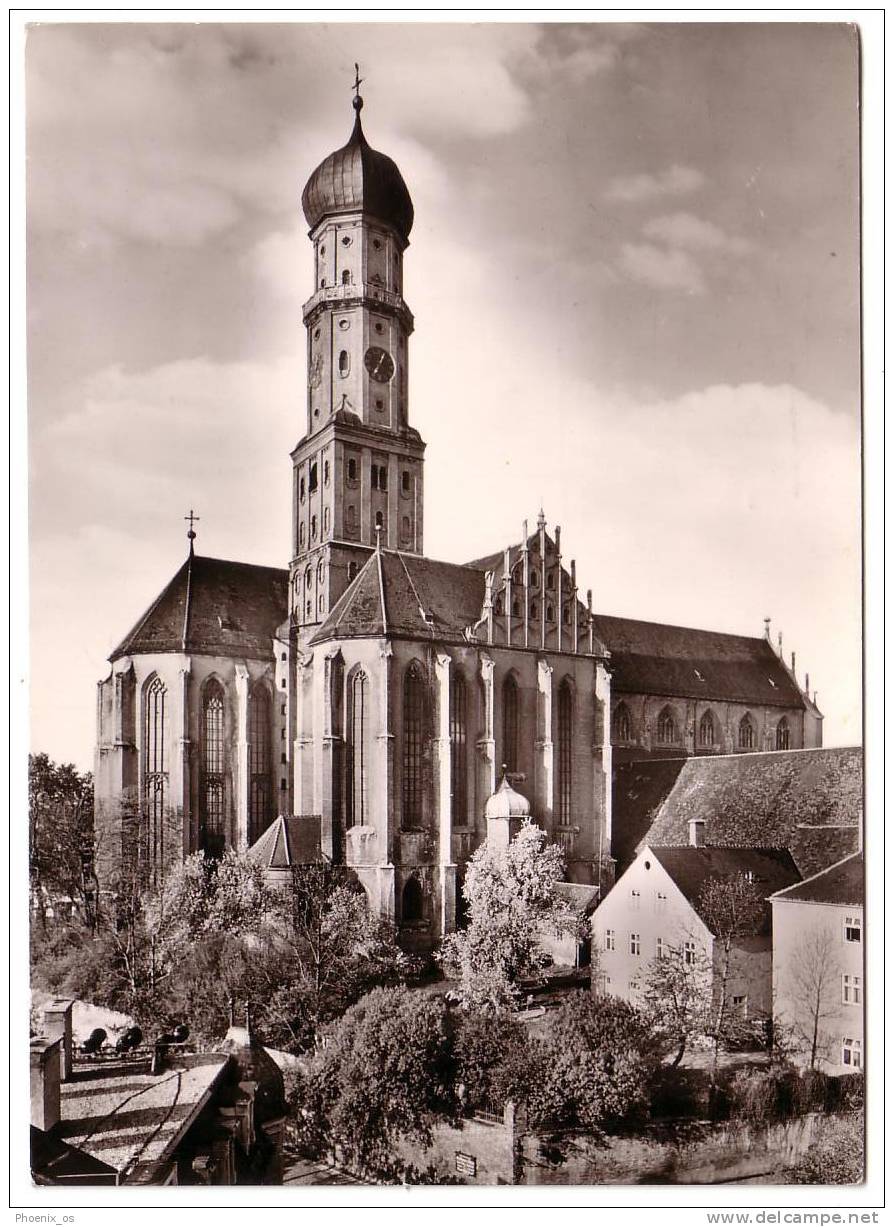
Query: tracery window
{"points": [[564, 724], [666, 728], [155, 773], [510, 723], [413, 747], [746, 733], [458, 750], [213, 769], [260, 788], [783, 735], [706, 730], [621, 724], [357, 751]]}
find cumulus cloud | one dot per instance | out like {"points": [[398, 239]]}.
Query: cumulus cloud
{"points": [[661, 268], [685, 230], [675, 181]]}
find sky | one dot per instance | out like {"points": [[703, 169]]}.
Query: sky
{"points": [[634, 272]]}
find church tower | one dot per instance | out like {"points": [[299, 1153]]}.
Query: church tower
{"points": [[357, 472]]}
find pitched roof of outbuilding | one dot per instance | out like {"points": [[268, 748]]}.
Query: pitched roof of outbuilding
{"points": [[841, 883], [691, 869], [807, 800], [213, 606], [408, 596], [288, 842]]}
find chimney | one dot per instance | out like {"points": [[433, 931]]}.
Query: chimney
{"points": [[46, 1088], [696, 832], [57, 1024]]}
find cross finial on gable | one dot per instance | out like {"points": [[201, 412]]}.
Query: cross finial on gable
{"points": [[193, 520]]}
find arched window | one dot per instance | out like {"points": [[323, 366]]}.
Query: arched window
{"points": [[533, 611], [564, 725], [783, 736], [621, 725], [155, 772], [313, 481], [352, 469], [667, 727], [549, 613], [551, 580], [307, 577], [213, 768], [706, 734], [459, 767], [566, 616], [413, 747], [346, 276], [510, 723], [746, 733], [412, 906], [357, 751], [535, 579], [260, 789], [344, 363], [321, 571], [516, 609]]}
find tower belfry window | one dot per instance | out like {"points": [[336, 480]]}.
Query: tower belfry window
{"points": [[344, 363]]}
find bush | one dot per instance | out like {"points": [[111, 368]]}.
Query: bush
{"points": [[836, 1156], [761, 1096]]}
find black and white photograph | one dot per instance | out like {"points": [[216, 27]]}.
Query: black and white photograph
{"points": [[442, 448]]}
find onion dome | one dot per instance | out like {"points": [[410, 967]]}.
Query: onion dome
{"points": [[507, 803], [358, 178]]}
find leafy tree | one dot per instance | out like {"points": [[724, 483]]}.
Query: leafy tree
{"points": [[510, 903], [383, 1072], [675, 993], [60, 835]]}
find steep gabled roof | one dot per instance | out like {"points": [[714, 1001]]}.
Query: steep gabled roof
{"points": [[841, 883], [638, 790], [288, 842], [809, 801], [212, 606], [681, 661], [692, 868], [408, 596]]}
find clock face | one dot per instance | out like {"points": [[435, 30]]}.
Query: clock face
{"points": [[379, 363], [315, 374]]}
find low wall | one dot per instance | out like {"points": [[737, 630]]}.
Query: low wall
{"points": [[477, 1151]]}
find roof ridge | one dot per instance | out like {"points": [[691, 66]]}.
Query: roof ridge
{"points": [[378, 557], [189, 563]]}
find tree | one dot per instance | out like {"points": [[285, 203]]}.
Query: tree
{"points": [[676, 994], [510, 902], [733, 908], [382, 1073], [814, 978], [60, 836]]}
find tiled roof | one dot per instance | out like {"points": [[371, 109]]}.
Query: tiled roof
{"points": [[638, 789], [692, 868], [288, 842], [680, 661], [581, 897], [212, 607], [841, 883], [127, 1118], [55, 1162], [797, 799], [408, 596]]}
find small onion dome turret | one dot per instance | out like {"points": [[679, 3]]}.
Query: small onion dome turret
{"points": [[507, 803], [358, 178]]}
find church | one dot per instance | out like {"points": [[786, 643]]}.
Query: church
{"points": [[375, 697]]}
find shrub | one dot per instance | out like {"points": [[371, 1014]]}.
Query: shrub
{"points": [[836, 1156]]}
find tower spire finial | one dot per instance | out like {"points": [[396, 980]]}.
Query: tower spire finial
{"points": [[191, 535], [357, 104]]}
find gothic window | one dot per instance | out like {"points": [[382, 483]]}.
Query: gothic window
{"points": [[412, 907], [564, 725], [746, 733], [312, 483], [516, 609], [344, 363], [535, 580], [213, 767], [358, 750], [621, 723], [459, 772], [155, 772], [706, 733], [533, 611], [259, 761], [510, 723], [551, 580], [549, 613], [783, 736], [666, 728], [413, 747]]}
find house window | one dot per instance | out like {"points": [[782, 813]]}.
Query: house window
{"points": [[259, 782], [783, 737], [459, 772], [621, 723], [660, 901], [605, 985], [740, 1004], [155, 773], [213, 767], [563, 729], [706, 735], [609, 939], [666, 727], [357, 751], [853, 928], [660, 948], [510, 723], [634, 943], [852, 1053], [413, 747], [850, 990], [746, 733], [635, 899], [689, 953]]}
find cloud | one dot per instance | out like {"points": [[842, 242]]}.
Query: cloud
{"points": [[685, 230], [661, 268], [675, 181]]}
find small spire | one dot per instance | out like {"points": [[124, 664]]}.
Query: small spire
{"points": [[357, 103], [767, 629], [191, 535], [541, 519]]}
